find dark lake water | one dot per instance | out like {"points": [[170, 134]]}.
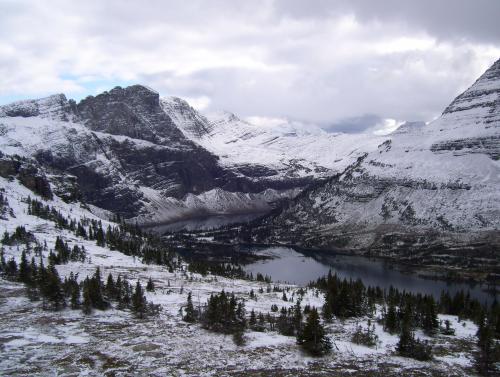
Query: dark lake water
{"points": [[204, 223], [295, 267]]}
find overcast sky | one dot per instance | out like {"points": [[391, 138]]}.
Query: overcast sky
{"points": [[346, 65]]}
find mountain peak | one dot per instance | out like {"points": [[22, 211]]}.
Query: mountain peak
{"points": [[192, 124], [134, 111], [222, 116], [481, 99], [54, 106]]}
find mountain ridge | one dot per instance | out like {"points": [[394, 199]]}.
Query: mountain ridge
{"points": [[424, 190]]}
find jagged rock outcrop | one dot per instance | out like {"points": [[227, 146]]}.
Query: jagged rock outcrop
{"points": [[134, 111], [52, 107], [27, 172]]}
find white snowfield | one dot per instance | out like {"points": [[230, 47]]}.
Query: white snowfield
{"points": [[113, 342], [291, 148]]}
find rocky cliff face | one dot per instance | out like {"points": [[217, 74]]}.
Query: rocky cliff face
{"points": [[134, 111], [429, 187], [129, 156]]}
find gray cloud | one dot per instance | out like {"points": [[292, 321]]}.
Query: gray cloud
{"points": [[356, 124], [446, 19], [324, 62]]}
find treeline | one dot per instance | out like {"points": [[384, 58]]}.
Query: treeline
{"points": [[44, 283], [229, 270]]}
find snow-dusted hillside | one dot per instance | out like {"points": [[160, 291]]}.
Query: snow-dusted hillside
{"points": [[38, 342], [434, 184]]}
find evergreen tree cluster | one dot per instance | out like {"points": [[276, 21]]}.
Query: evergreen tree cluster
{"points": [[461, 305], [229, 270], [408, 345], [63, 253], [224, 313], [41, 282], [289, 321], [421, 310], [262, 278], [365, 336], [344, 298], [19, 236], [403, 312], [126, 238], [92, 293], [46, 212]]}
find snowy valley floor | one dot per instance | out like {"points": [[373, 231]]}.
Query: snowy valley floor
{"points": [[68, 343]]}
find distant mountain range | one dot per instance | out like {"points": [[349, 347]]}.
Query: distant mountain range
{"points": [[157, 160]]}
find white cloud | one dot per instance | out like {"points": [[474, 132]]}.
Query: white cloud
{"points": [[386, 126], [260, 121], [199, 103], [318, 61]]}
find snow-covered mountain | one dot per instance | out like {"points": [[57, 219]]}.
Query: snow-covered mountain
{"points": [[289, 149], [426, 185], [157, 159], [128, 155]]}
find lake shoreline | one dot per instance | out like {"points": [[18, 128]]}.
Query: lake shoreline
{"points": [[301, 267], [434, 272]]}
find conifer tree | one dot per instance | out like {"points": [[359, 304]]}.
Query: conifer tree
{"points": [[313, 338], [24, 269], [99, 236], [32, 283], [139, 301], [96, 291], [11, 269], [3, 263], [430, 321], [150, 287], [297, 317], [489, 351], [253, 319], [190, 312], [75, 296], [52, 288], [391, 319], [284, 298], [406, 338], [87, 301], [110, 287]]}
